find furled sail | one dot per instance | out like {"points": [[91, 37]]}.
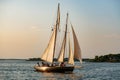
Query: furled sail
{"points": [[49, 51], [58, 17], [71, 57], [77, 50]]}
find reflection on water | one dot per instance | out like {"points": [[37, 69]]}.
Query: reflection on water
{"points": [[61, 76], [23, 70]]}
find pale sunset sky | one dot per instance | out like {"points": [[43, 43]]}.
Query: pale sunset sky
{"points": [[25, 26]]}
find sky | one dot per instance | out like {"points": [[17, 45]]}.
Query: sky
{"points": [[25, 26]]}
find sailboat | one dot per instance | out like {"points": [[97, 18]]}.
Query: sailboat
{"points": [[49, 53]]}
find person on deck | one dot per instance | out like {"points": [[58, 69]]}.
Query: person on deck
{"points": [[62, 64], [45, 64], [38, 63]]}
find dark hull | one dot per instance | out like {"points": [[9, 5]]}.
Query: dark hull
{"points": [[54, 69]]}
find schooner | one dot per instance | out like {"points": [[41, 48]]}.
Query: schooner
{"points": [[50, 51]]}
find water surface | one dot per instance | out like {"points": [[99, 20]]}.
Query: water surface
{"points": [[23, 70]]}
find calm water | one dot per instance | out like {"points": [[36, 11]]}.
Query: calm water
{"points": [[23, 70]]}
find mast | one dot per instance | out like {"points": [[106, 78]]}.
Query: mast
{"points": [[56, 27], [66, 32]]}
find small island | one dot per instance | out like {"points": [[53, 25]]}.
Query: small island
{"points": [[107, 58]]}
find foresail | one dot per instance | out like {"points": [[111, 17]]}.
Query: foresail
{"points": [[71, 57], [77, 50], [62, 51], [49, 51]]}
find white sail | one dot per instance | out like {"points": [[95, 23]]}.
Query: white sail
{"points": [[49, 51], [77, 50], [62, 51], [71, 57]]}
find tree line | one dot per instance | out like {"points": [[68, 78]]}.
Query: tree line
{"points": [[107, 58]]}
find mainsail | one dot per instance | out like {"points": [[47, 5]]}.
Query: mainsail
{"points": [[77, 50], [49, 51]]}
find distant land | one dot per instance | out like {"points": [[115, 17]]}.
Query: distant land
{"points": [[13, 59], [107, 58], [103, 58]]}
